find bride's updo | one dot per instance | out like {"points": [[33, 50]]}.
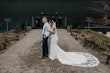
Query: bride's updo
{"points": [[51, 22]]}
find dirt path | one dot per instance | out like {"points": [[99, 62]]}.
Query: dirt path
{"points": [[22, 57]]}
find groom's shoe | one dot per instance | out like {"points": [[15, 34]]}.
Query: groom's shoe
{"points": [[46, 56], [40, 57]]}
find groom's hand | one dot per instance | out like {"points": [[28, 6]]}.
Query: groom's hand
{"points": [[44, 36]]}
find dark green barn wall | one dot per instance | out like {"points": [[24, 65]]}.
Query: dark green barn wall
{"points": [[18, 9], [34, 7]]}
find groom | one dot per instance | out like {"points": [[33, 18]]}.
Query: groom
{"points": [[45, 35]]}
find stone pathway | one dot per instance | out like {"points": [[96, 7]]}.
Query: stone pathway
{"points": [[22, 56]]}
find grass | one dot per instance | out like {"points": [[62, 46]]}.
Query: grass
{"points": [[98, 42]]}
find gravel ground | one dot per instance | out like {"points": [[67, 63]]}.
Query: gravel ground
{"points": [[108, 34], [22, 57]]}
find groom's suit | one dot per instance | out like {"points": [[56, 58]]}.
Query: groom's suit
{"points": [[45, 34]]}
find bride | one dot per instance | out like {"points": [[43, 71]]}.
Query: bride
{"points": [[68, 58]]}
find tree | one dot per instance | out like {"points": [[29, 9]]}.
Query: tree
{"points": [[101, 7]]}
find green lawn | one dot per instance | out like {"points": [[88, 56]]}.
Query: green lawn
{"points": [[98, 42]]}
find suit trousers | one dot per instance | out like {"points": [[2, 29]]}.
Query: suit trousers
{"points": [[45, 46]]}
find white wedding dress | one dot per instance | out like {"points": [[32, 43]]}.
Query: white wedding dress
{"points": [[70, 58]]}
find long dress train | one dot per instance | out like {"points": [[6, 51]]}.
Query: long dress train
{"points": [[70, 58]]}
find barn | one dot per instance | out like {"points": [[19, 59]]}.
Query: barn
{"points": [[30, 12]]}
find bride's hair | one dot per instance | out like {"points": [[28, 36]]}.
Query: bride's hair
{"points": [[51, 21], [54, 24]]}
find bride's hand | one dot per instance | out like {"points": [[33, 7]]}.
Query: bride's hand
{"points": [[52, 32], [49, 31]]}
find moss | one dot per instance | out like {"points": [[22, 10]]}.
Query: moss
{"points": [[98, 42]]}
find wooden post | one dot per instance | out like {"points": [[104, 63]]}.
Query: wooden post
{"points": [[7, 20], [7, 25], [105, 18], [108, 59]]}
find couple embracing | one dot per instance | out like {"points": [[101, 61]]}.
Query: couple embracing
{"points": [[68, 58]]}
